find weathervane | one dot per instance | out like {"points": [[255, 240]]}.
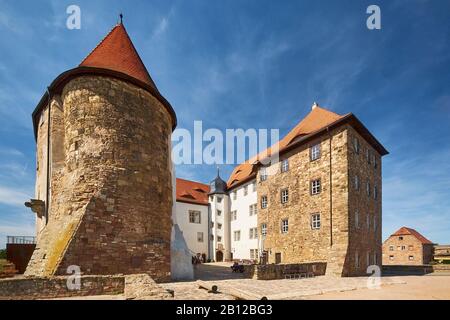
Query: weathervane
{"points": [[121, 18]]}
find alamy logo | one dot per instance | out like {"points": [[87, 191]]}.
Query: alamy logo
{"points": [[74, 19], [374, 20], [74, 280]]}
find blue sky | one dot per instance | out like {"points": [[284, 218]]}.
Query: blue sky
{"points": [[253, 64]]}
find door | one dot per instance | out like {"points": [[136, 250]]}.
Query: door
{"points": [[219, 256], [277, 257]]}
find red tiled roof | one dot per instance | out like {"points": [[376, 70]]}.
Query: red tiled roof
{"points": [[117, 52], [192, 192], [317, 119], [408, 231]]}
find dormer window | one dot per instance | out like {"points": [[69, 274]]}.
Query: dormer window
{"points": [[263, 174]]}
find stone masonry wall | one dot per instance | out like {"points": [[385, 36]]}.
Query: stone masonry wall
{"points": [[282, 271], [365, 216], [111, 204], [302, 243]]}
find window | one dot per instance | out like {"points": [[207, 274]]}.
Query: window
{"points": [[368, 258], [263, 202], [368, 221], [253, 233], [356, 145], [375, 192], [253, 210], [374, 223], [315, 221], [315, 152], [403, 248], [375, 162], [263, 174], [212, 237], [253, 254], [315, 187], [356, 219], [356, 259], [391, 257], [254, 186], [368, 155], [194, 216], [219, 226], [233, 215], [200, 236], [368, 188], [245, 190], [375, 258], [219, 239], [219, 199], [284, 226], [411, 258], [391, 248], [284, 165], [356, 183], [211, 198], [212, 224], [410, 248], [263, 229], [284, 195], [399, 248], [219, 212], [400, 238], [237, 235], [234, 195]]}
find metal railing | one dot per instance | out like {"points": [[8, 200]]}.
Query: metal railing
{"points": [[20, 240]]}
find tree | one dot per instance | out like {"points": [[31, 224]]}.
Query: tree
{"points": [[2, 254]]}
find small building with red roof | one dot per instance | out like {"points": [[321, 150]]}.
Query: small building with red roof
{"points": [[407, 246]]}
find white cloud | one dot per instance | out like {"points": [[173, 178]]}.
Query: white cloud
{"points": [[13, 197]]}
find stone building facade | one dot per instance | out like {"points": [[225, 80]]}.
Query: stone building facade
{"points": [[407, 247], [104, 174], [320, 202]]}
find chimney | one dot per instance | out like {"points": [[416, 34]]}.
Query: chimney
{"points": [[315, 104]]}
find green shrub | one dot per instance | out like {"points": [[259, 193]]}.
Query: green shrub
{"points": [[2, 254]]}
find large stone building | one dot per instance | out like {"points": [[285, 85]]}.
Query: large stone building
{"points": [[320, 203], [104, 174], [406, 246]]}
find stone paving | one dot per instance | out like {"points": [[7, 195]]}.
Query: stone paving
{"points": [[272, 289]]}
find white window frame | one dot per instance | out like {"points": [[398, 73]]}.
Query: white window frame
{"points": [[233, 215], [356, 182], [285, 165], [237, 235], [284, 195], [316, 186], [316, 221], [264, 202], [199, 236], [263, 174], [264, 229], [356, 145], [285, 226], [193, 215], [315, 152], [391, 248]]}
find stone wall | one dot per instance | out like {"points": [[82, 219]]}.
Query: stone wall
{"points": [[110, 209], [302, 243], [364, 209], [56, 287], [282, 271]]}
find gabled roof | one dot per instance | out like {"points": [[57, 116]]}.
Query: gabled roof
{"points": [[314, 123], [408, 231], [192, 192], [117, 52]]}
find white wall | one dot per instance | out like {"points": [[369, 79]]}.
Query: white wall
{"points": [[190, 230], [241, 249]]}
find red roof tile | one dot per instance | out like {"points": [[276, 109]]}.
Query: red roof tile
{"points": [[408, 231], [117, 52], [317, 119], [192, 192]]}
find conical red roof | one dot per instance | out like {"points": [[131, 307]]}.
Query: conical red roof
{"points": [[117, 52]]}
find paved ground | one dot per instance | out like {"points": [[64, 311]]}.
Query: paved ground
{"points": [[232, 284]]}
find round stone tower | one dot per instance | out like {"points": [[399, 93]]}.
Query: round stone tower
{"points": [[104, 169]]}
